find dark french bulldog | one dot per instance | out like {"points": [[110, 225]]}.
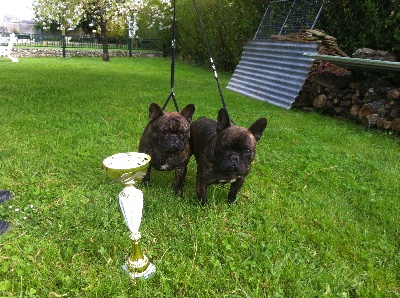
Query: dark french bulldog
{"points": [[223, 152], [166, 140]]}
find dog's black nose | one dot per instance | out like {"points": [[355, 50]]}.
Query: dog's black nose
{"points": [[175, 143], [233, 163], [234, 159], [174, 138]]}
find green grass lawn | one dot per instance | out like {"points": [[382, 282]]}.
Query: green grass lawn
{"points": [[318, 216]]}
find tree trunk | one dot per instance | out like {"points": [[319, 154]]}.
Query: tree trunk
{"points": [[106, 55], [104, 37]]}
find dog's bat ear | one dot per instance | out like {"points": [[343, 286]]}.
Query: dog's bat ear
{"points": [[223, 120], [155, 111], [258, 127], [188, 112]]}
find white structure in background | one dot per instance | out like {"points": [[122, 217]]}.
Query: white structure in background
{"points": [[132, 24], [5, 51], [10, 23]]}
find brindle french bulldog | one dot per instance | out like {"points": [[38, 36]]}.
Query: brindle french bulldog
{"points": [[223, 152], [166, 140]]}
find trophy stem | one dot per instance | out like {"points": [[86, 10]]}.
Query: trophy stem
{"points": [[131, 202], [138, 265]]}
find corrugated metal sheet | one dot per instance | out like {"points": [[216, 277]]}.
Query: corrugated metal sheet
{"points": [[273, 71]]}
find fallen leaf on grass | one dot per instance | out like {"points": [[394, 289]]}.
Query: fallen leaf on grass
{"points": [[56, 295]]}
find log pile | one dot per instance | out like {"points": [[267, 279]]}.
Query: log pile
{"points": [[327, 45], [329, 89], [367, 53], [373, 102]]}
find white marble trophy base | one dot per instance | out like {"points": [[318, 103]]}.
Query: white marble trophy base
{"points": [[150, 270]]}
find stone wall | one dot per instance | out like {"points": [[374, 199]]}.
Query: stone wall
{"points": [[45, 52]]}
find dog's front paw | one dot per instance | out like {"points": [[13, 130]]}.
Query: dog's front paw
{"points": [[178, 192]]}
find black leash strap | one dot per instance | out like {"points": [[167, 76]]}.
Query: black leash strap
{"points": [[173, 55], [209, 54]]}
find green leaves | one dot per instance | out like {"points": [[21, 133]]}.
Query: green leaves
{"points": [[345, 20], [227, 24]]}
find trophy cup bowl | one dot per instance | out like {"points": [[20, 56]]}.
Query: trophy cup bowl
{"points": [[128, 168]]}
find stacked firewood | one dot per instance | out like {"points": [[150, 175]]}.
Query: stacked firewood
{"points": [[367, 53], [372, 102], [327, 45], [331, 89]]}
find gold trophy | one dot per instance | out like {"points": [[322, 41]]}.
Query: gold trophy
{"points": [[128, 168]]}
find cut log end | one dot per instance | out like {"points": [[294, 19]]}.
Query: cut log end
{"points": [[370, 121], [383, 123], [320, 101], [395, 124]]}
